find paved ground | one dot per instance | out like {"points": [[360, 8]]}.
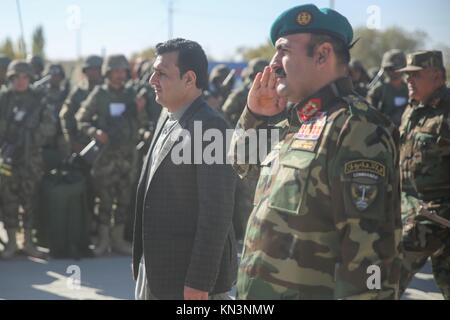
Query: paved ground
{"points": [[110, 278]]}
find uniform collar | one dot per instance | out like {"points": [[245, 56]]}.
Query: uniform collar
{"points": [[320, 101], [433, 101]]}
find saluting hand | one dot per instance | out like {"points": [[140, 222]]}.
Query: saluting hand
{"points": [[263, 98]]}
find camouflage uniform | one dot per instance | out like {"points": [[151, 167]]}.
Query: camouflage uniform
{"points": [[72, 104], [390, 100], [25, 126], [425, 171], [55, 94], [327, 204], [114, 170]]}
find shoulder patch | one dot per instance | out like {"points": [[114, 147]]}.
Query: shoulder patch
{"points": [[365, 166]]}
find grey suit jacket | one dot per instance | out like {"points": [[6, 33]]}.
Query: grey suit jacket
{"points": [[183, 216]]}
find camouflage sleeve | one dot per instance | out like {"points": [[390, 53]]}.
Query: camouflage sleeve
{"points": [[244, 151], [67, 117], [233, 105], [86, 113], [364, 171], [47, 127]]}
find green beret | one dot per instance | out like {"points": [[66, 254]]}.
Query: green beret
{"points": [[310, 19]]}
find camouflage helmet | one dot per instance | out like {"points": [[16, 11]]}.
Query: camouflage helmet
{"points": [[37, 61], [220, 71], [92, 61], [118, 61], [394, 59], [19, 66], [54, 69], [254, 66], [4, 61]]}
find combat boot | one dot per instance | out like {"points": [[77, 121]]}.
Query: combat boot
{"points": [[103, 243], [118, 242], [11, 246], [29, 248]]}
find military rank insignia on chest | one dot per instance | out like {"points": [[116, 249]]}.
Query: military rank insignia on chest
{"points": [[309, 133], [312, 129]]}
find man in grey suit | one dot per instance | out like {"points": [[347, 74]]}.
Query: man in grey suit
{"points": [[184, 244]]}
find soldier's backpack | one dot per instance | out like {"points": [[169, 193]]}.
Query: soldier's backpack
{"points": [[64, 215]]}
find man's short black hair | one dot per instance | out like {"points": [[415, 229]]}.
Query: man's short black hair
{"points": [[190, 57], [340, 48]]}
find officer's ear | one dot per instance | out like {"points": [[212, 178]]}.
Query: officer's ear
{"points": [[190, 78], [323, 53]]}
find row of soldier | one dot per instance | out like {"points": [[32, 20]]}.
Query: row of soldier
{"points": [[42, 125]]}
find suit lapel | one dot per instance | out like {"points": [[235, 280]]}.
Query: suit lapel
{"points": [[162, 119], [175, 134]]}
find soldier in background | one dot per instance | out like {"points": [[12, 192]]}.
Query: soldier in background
{"points": [[390, 96], [359, 76], [25, 126], [425, 170], [4, 62], [236, 101], [92, 71], [112, 116], [37, 65], [56, 89], [221, 82]]}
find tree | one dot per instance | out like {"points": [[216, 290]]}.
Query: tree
{"points": [[264, 51], [7, 48], [38, 42], [372, 44], [149, 53]]}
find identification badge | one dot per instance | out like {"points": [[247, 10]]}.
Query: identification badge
{"points": [[116, 109], [400, 101]]}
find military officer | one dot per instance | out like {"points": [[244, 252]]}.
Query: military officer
{"points": [[326, 221], [425, 170]]}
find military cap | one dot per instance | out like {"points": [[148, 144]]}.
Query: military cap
{"points": [[19, 66], [393, 59], [4, 61], [422, 60], [92, 61], [310, 19], [117, 61]]}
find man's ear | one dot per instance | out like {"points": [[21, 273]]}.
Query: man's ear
{"points": [[190, 78], [323, 53]]}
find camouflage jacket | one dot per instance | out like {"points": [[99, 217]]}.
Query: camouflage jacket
{"points": [[389, 100], [235, 103], [26, 125], [113, 112], [327, 207], [425, 148], [67, 115]]}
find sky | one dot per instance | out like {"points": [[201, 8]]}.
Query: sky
{"points": [[220, 26]]}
